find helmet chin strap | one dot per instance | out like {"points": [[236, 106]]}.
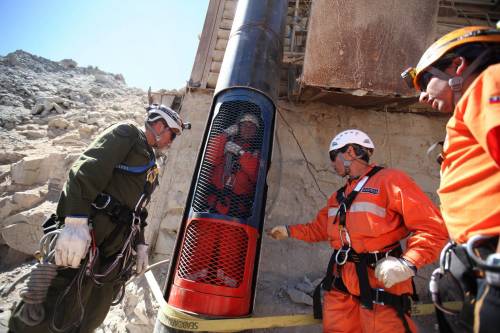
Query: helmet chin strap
{"points": [[347, 165], [156, 135], [456, 82]]}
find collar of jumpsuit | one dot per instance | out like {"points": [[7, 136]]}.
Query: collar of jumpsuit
{"points": [[354, 180]]}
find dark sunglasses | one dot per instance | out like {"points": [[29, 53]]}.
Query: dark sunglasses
{"points": [[424, 80], [333, 155]]}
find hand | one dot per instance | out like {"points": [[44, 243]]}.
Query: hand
{"points": [[391, 270], [279, 232], [233, 148], [231, 130], [142, 258], [73, 242]]}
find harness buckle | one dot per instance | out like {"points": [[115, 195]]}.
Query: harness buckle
{"points": [[345, 254], [136, 220], [377, 297], [380, 255], [108, 200]]}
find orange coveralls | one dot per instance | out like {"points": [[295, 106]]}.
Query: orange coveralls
{"points": [[389, 208], [240, 182], [470, 172]]}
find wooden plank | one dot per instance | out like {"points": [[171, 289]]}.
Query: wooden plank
{"points": [[217, 55], [215, 66], [221, 44], [212, 80], [201, 59], [213, 41]]}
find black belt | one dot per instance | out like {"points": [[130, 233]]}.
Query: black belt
{"points": [[370, 258], [112, 207], [368, 296], [367, 259]]}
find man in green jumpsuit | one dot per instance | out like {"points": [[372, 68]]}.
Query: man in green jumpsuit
{"points": [[102, 200]]}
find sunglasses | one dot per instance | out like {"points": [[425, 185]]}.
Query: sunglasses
{"points": [[333, 155], [424, 80]]}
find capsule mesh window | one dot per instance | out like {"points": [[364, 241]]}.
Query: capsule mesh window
{"points": [[213, 253], [229, 169]]}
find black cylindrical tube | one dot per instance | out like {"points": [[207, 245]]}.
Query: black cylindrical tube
{"points": [[255, 48], [214, 267]]}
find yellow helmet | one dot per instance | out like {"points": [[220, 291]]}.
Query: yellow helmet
{"points": [[444, 45]]}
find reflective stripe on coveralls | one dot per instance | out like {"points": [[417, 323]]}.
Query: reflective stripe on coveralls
{"points": [[368, 296], [408, 211]]}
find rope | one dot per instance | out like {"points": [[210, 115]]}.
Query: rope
{"points": [[34, 292]]}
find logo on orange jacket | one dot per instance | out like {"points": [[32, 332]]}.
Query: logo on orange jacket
{"points": [[370, 190]]}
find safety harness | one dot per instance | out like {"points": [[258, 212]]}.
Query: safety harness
{"points": [[368, 296], [463, 263], [123, 261], [123, 216]]}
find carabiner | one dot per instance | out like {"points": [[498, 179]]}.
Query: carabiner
{"points": [[347, 237], [345, 251], [470, 246]]}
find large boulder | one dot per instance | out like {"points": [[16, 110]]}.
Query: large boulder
{"points": [[10, 116], [26, 228], [68, 63], [38, 169], [44, 105], [22, 200], [58, 123]]}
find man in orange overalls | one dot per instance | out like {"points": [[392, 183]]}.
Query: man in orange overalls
{"points": [[369, 278], [460, 74], [235, 160]]}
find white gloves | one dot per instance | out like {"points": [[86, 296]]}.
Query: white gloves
{"points": [[279, 232], [233, 148], [391, 270], [231, 130], [73, 242], [142, 258]]}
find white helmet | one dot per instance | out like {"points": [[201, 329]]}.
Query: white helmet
{"points": [[172, 118], [351, 136], [251, 118]]}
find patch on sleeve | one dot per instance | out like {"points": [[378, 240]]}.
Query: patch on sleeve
{"points": [[370, 190], [495, 99]]}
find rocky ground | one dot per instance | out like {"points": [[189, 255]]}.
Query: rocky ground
{"points": [[50, 111]]}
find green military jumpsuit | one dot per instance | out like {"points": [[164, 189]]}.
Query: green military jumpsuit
{"points": [[93, 173]]}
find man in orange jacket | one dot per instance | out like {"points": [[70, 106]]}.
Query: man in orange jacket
{"points": [[235, 159], [369, 278], [460, 74]]}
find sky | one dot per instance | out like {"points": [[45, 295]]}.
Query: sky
{"points": [[151, 42]]}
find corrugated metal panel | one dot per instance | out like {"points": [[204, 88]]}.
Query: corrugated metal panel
{"points": [[364, 44]]}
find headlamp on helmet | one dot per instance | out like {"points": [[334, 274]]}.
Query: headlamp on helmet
{"points": [[408, 76], [442, 50]]}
